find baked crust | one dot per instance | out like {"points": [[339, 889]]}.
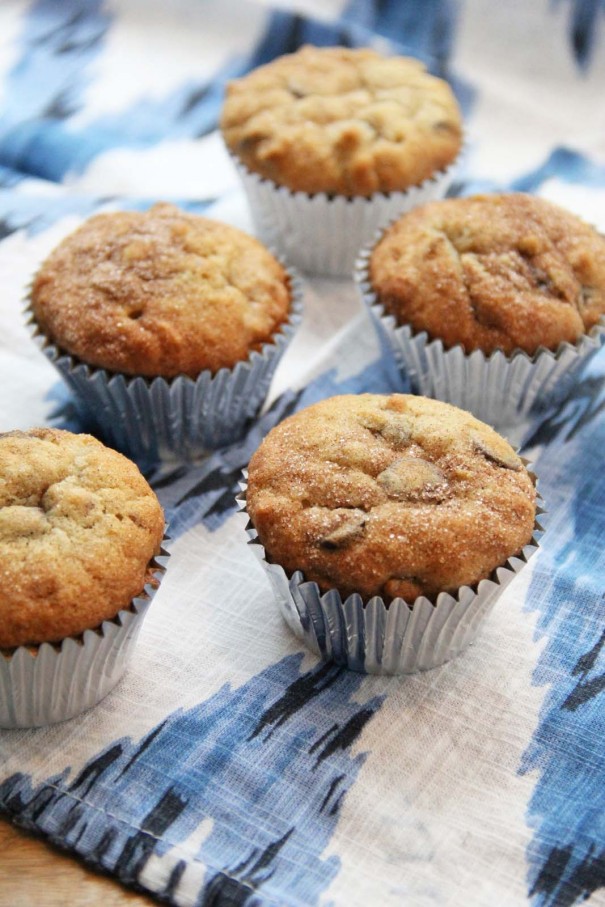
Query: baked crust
{"points": [[492, 272], [160, 292], [341, 121], [396, 496], [79, 526]]}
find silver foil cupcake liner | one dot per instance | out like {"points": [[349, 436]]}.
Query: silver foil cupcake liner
{"points": [[376, 638], [51, 682], [322, 234], [162, 418], [502, 390]]}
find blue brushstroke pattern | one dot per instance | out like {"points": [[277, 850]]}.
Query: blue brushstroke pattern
{"points": [[269, 764], [563, 164], [9, 178], [425, 29], [45, 88], [61, 41], [36, 213], [286, 32], [425, 26], [578, 411], [566, 165], [567, 809], [583, 29]]}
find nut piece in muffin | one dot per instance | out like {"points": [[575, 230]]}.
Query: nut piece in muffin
{"points": [[396, 496], [160, 292], [342, 121], [79, 527], [492, 272]]}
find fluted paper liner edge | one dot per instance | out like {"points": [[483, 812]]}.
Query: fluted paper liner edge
{"points": [[374, 638], [153, 418], [498, 389], [322, 234], [48, 683]]}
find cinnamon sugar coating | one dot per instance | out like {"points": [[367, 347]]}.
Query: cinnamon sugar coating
{"points": [[342, 121], [79, 526], [492, 272], [397, 496], [160, 292]]}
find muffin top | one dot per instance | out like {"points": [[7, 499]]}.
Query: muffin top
{"points": [[160, 292], [397, 496], [492, 272], [79, 526], [341, 121]]}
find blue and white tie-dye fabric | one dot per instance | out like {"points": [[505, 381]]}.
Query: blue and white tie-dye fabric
{"points": [[230, 767]]}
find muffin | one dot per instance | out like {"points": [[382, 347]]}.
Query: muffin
{"points": [[80, 530], [489, 301], [394, 521], [332, 142], [169, 326]]}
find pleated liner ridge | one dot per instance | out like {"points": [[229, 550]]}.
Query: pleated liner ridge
{"points": [[52, 682], [322, 234], [375, 638], [498, 389], [152, 418]]}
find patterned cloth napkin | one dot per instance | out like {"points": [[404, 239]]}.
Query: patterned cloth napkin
{"points": [[229, 767]]}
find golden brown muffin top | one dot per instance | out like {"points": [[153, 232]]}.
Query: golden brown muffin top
{"points": [[492, 272], [79, 526], [397, 496], [160, 292], [341, 121]]}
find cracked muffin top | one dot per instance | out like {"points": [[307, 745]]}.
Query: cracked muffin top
{"points": [[397, 496], [341, 121], [160, 292], [492, 272], [79, 526]]}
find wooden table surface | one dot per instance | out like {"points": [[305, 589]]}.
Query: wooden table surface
{"points": [[36, 874]]}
